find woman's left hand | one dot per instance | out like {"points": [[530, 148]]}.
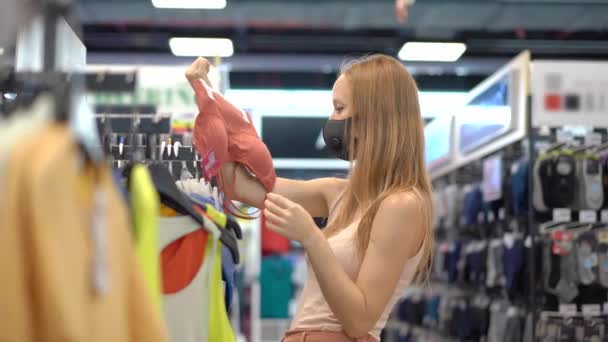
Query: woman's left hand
{"points": [[290, 220]]}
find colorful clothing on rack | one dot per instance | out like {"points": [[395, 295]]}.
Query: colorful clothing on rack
{"points": [[187, 261], [68, 265], [191, 261]]}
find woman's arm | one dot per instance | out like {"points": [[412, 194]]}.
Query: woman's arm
{"points": [[315, 196], [396, 236]]}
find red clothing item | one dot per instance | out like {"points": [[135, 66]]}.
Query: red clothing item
{"points": [[273, 242], [224, 133], [182, 259]]}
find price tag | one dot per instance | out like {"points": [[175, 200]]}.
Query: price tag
{"points": [[514, 168], [490, 217], [593, 139], [501, 214], [605, 216], [544, 131], [514, 225], [591, 309], [542, 146], [567, 308], [587, 216], [562, 215], [602, 237]]}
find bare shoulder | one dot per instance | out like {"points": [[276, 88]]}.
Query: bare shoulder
{"points": [[400, 220], [403, 202]]}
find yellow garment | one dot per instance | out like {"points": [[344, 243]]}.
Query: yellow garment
{"points": [[220, 329], [145, 204], [218, 217], [48, 249]]}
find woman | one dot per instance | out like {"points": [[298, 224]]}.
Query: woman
{"points": [[379, 232]]}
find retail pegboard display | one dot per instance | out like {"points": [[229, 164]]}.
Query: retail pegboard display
{"points": [[521, 219]]}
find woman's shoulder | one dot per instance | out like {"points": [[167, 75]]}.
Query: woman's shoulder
{"points": [[409, 200], [407, 207]]}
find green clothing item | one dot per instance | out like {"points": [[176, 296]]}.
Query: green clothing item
{"points": [[220, 329], [277, 289], [145, 206]]}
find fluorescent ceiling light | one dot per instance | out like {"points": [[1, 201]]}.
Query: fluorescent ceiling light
{"points": [[207, 4], [432, 52], [206, 47]]}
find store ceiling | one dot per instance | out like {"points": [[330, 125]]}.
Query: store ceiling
{"points": [[428, 17], [315, 35], [494, 27], [296, 34]]}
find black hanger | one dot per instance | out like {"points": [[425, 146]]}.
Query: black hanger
{"points": [[555, 146], [171, 196], [231, 224]]}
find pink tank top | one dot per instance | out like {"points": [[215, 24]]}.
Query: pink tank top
{"points": [[313, 311]]}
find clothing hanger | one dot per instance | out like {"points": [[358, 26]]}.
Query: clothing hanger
{"points": [[555, 147], [603, 147], [69, 103], [175, 199]]}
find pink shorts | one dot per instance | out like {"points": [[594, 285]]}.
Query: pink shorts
{"points": [[323, 336]]}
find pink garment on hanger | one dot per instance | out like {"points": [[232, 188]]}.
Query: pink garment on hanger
{"points": [[224, 133]]}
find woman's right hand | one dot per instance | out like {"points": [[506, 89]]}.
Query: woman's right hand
{"points": [[198, 70]]}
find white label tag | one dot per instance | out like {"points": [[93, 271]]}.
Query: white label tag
{"points": [[562, 215], [593, 139], [564, 136], [514, 168], [567, 308], [587, 216], [490, 217], [501, 214], [591, 309], [100, 273], [605, 216]]}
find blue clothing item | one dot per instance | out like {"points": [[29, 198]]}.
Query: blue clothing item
{"points": [[464, 324], [431, 311], [473, 205], [451, 261], [202, 200], [117, 177], [519, 189], [475, 266], [513, 261], [228, 268]]}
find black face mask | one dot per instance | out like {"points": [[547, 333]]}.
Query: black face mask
{"points": [[336, 134]]}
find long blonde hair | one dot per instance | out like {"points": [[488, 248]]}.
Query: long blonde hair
{"points": [[387, 144]]}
